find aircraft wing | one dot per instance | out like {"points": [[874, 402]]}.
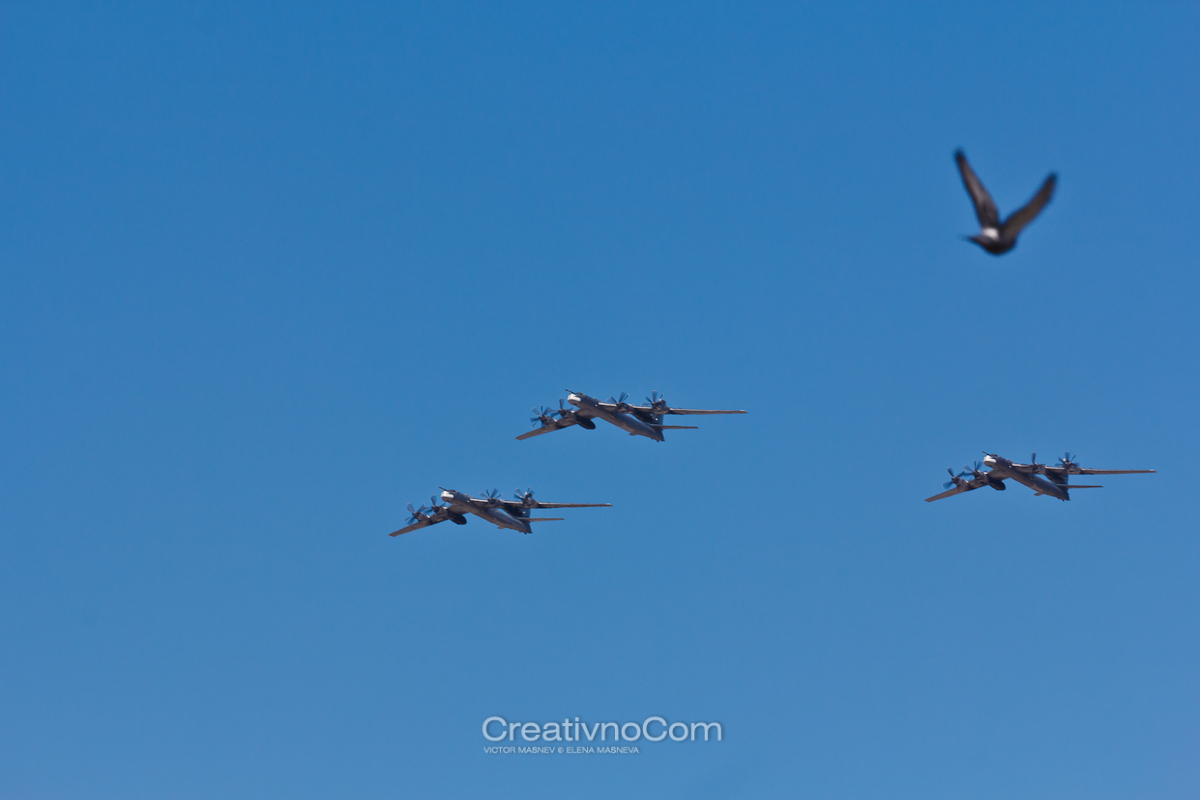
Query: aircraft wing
{"points": [[653, 410], [699, 411], [969, 486], [425, 523], [559, 425], [512, 504], [1085, 471], [951, 492]]}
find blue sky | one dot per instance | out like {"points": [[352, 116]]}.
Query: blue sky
{"points": [[268, 274]]}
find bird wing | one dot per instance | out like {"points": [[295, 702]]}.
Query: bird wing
{"points": [[985, 206], [1025, 214]]}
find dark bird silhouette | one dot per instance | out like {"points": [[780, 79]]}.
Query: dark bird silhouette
{"points": [[995, 236]]}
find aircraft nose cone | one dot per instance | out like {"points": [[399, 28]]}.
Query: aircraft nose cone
{"points": [[989, 461], [574, 399], [447, 495]]}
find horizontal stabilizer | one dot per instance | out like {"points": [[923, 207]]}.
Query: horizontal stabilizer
{"points": [[545, 519], [677, 427]]}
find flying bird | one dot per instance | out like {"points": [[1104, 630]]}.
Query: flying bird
{"points": [[995, 236]]}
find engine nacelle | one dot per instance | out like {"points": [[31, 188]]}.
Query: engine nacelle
{"points": [[997, 485], [585, 423], [458, 519]]}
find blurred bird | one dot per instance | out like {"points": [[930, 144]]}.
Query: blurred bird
{"points": [[995, 236]]}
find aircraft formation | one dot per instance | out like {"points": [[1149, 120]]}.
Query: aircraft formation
{"points": [[996, 236], [514, 514]]}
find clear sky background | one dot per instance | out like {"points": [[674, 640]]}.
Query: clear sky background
{"points": [[268, 274]]}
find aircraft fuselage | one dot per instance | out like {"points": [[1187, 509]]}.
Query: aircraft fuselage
{"points": [[461, 504], [626, 422], [1001, 468]]}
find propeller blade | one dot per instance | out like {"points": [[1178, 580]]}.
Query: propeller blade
{"points": [[954, 479], [543, 416]]}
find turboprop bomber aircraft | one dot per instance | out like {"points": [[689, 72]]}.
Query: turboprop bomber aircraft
{"points": [[635, 420], [1053, 484], [513, 514]]}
